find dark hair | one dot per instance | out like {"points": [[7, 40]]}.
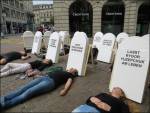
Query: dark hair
{"points": [[25, 54], [76, 73], [123, 97], [50, 62]]}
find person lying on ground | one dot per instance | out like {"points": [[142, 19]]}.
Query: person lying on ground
{"points": [[31, 68], [10, 56], [39, 86], [105, 103]]}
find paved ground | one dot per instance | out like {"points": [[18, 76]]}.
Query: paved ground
{"points": [[96, 80]]}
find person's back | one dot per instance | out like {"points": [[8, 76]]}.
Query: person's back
{"points": [[12, 56], [40, 65]]}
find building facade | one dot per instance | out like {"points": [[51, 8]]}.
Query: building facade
{"points": [[43, 15], [91, 16], [15, 17], [28, 9]]}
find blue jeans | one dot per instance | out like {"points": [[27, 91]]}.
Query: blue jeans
{"points": [[34, 88], [85, 109]]}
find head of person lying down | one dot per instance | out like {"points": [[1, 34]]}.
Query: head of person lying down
{"points": [[47, 61], [73, 71], [118, 93]]}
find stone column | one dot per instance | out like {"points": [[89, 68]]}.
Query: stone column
{"points": [[130, 19], [97, 15], [61, 15]]}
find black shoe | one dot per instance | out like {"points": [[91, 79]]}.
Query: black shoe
{"points": [[1, 108]]}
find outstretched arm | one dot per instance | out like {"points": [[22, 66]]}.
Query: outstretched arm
{"points": [[100, 104], [33, 73], [66, 88], [25, 57]]}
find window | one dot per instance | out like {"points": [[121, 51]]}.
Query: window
{"points": [[7, 11], [81, 17], [143, 22], [113, 17], [17, 4], [21, 6]]}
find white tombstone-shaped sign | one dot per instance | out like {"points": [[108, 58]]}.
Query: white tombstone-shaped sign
{"points": [[121, 37], [145, 36], [97, 39], [47, 34], [54, 47], [28, 37], [28, 34], [64, 38], [131, 67], [134, 37], [106, 48], [37, 43], [78, 54], [46, 37]]}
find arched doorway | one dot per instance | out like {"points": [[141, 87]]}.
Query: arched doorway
{"points": [[80, 17], [143, 22], [113, 17]]}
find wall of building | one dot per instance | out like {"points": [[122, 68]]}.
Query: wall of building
{"points": [[28, 8], [61, 14], [14, 15], [43, 14]]}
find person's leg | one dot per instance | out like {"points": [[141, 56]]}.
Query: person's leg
{"points": [[45, 85], [22, 89], [5, 68], [85, 108], [15, 68], [3, 61], [20, 68]]}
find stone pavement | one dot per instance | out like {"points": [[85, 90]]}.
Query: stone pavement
{"points": [[96, 81]]}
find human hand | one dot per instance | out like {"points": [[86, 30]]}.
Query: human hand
{"points": [[104, 106], [95, 100], [29, 71], [63, 92], [35, 72]]}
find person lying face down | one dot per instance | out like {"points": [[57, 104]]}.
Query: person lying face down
{"points": [[105, 103], [39, 86], [31, 68], [10, 56]]}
